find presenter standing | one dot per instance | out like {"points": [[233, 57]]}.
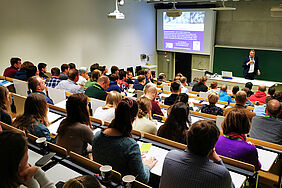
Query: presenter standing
{"points": [[251, 66]]}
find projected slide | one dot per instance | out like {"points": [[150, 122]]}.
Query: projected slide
{"points": [[185, 32]]}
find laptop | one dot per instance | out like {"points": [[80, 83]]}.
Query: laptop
{"points": [[226, 74]]}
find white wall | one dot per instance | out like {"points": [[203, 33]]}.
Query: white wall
{"points": [[63, 31]]}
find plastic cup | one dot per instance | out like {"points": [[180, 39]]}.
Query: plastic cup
{"points": [[106, 173], [128, 181]]}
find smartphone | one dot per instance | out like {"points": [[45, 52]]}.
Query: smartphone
{"points": [[45, 159]]}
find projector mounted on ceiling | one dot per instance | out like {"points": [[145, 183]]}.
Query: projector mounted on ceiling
{"points": [[117, 14], [223, 7], [174, 12]]}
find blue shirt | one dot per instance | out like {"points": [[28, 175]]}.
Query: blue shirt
{"points": [[39, 130], [114, 87], [223, 96], [49, 101], [70, 86], [53, 82], [260, 110]]}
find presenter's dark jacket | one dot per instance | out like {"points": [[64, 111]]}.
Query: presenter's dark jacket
{"points": [[96, 91], [247, 67]]}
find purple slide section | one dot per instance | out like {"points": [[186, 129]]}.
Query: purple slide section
{"points": [[183, 40]]}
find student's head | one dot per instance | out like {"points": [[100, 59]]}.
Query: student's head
{"points": [[145, 106], [112, 100], [252, 53], [148, 73], [125, 114], [31, 71], [203, 80], [175, 87], [114, 70], [55, 71], [4, 98], [94, 67], [246, 90], [213, 85], [72, 66], [241, 97], [35, 109], [183, 80], [236, 121], [122, 75], [35, 83], [77, 111], [141, 79], [223, 88], [278, 96], [213, 98], [151, 92], [273, 107], [86, 181], [26, 64], [103, 69], [95, 75], [262, 88], [179, 75], [83, 72], [65, 68], [162, 77], [235, 89], [113, 77], [202, 137], [13, 158], [249, 85], [141, 72], [271, 91], [42, 67], [104, 82], [129, 74], [16, 62], [153, 74], [73, 75]]}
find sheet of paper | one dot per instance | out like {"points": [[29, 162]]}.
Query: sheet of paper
{"points": [[194, 100], [60, 173], [237, 179], [96, 130], [192, 94], [130, 94], [33, 157], [165, 95], [52, 117], [54, 126], [61, 104], [194, 119], [266, 158]]}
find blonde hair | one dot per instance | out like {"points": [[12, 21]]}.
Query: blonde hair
{"points": [[213, 98], [145, 106], [112, 100]]}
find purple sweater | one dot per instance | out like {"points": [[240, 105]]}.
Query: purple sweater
{"points": [[237, 149]]}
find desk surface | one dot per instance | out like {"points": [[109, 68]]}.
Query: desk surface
{"points": [[237, 179], [33, 157], [266, 159], [52, 116], [54, 126], [62, 104], [60, 173]]}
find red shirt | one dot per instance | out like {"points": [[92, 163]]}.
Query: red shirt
{"points": [[156, 108], [258, 96], [10, 72]]}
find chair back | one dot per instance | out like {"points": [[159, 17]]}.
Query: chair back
{"points": [[219, 121], [19, 102], [56, 95], [95, 103], [139, 93], [203, 95], [20, 87]]}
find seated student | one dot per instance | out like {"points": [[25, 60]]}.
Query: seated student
{"points": [[54, 80], [32, 71], [103, 69], [176, 125], [140, 83], [260, 110], [183, 97], [4, 103], [144, 121], [249, 85], [72, 66], [114, 70], [70, 84], [198, 165], [34, 118], [37, 85], [64, 71], [148, 75], [248, 103], [235, 89], [153, 75], [223, 95], [42, 68], [211, 108], [268, 128], [83, 76], [74, 132], [129, 76], [271, 91], [213, 87], [151, 93], [22, 73], [13, 69], [97, 91], [175, 91], [122, 80], [260, 95], [94, 77], [107, 112], [86, 181], [15, 170], [183, 85], [117, 140], [233, 143], [201, 86], [161, 79], [241, 99], [113, 84]]}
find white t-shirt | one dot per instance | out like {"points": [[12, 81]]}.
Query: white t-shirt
{"points": [[104, 115], [145, 125], [81, 81]]}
